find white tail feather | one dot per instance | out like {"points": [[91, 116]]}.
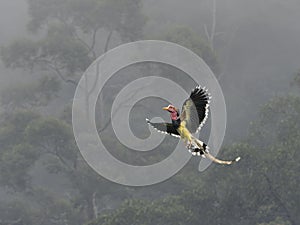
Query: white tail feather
{"points": [[199, 145]]}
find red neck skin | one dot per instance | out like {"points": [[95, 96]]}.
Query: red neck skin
{"points": [[174, 115]]}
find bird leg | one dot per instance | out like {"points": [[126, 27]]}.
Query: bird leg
{"points": [[195, 149], [192, 146], [189, 145]]}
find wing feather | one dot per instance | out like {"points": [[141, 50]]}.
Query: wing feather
{"points": [[195, 109], [165, 128]]}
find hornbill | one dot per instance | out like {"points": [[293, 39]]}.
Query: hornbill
{"points": [[194, 115]]}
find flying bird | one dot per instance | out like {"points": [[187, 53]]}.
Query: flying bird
{"points": [[193, 116]]}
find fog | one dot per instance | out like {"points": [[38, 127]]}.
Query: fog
{"points": [[13, 19], [253, 47], [260, 53], [259, 46]]}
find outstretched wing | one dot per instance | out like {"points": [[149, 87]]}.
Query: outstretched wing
{"points": [[195, 109], [165, 128]]}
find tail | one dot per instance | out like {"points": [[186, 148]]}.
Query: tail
{"points": [[202, 149]]}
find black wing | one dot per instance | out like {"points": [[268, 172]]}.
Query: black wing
{"points": [[165, 128], [195, 109]]}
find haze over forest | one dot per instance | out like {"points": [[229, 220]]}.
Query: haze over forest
{"points": [[252, 47]]}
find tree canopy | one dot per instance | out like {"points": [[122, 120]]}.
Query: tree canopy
{"points": [[37, 141]]}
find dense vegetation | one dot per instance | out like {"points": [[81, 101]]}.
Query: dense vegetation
{"points": [[36, 136]]}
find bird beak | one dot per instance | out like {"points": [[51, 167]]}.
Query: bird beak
{"points": [[165, 108]]}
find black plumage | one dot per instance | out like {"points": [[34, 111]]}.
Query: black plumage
{"points": [[194, 115]]}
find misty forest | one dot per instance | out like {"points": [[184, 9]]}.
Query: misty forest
{"points": [[252, 47]]}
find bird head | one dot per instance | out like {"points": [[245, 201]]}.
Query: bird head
{"points": [[171, 109]]}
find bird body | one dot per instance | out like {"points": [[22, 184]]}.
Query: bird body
{"points": [[194, 115], [185, 134]]}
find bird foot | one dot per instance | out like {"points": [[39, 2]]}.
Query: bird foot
{"points": [[189, 146]]}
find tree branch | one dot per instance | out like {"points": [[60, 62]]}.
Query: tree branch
{"points": [[108, 40], [98, 63], [95, 207], [213, 28], [56, 154], [210, 36], [115, 112], [54, 68], [89, 92], [89, 47]]}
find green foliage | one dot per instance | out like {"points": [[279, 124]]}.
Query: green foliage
{"points": [[17, 156], [261, 189], [68, 40], [47, 210], [15, 164], [48, 132], [58, 50], [25, 136], [34, 94], [167, 212], [277, 221], [20, 53], [297, 78], [281, 116], [13, 126], [61, 47], [50, 209], [122, 16], [16, 213], [53, 137]]}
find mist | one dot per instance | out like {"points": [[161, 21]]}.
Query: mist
{"points": [[47, 47]]}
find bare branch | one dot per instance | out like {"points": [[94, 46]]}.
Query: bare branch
{"points": [[213, 28], [206, 32], [90, 47], [98, 63], [55, 153], [89, 92], [95, 207], [108, 41], [51, 65], [211, 36], [115, 112]]}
